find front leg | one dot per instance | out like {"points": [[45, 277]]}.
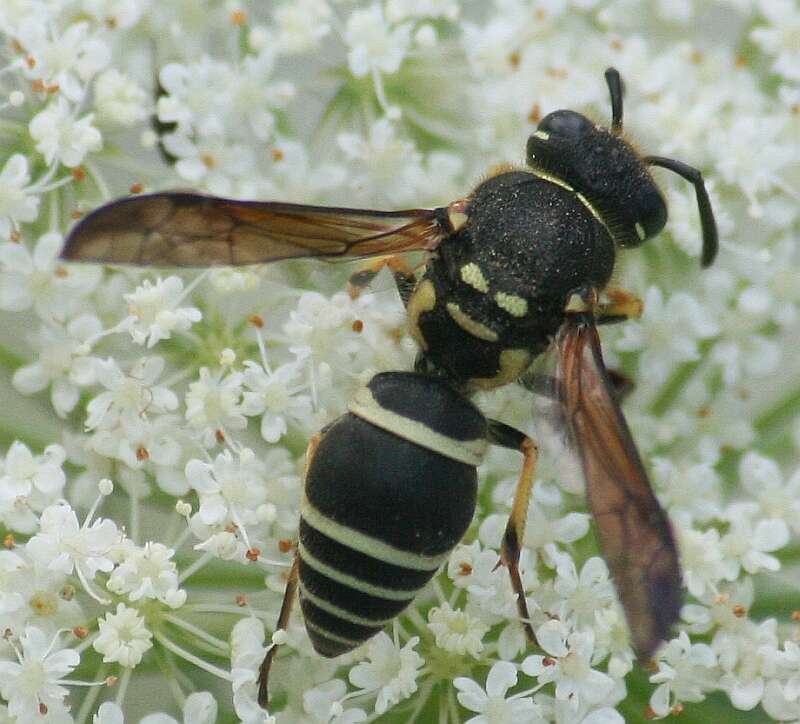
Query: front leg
{"points": [[505, 436], [612, 305]]}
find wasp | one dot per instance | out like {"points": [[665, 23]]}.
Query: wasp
{"points": [[520, 265]]}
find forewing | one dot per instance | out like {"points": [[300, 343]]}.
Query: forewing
{"points": [[634, 531], [193, 230]]}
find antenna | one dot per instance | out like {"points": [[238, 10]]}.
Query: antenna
{"points": [[615, 88], [707, 221]]}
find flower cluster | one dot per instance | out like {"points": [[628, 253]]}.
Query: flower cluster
{"points": [[154, 424]]}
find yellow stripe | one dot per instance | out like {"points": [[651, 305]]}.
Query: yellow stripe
{"points": [[392, 594], [340, 612], [366, 544], [366, 407]]}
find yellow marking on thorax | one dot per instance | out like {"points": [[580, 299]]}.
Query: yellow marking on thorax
{"points": [[551, 178], [423, 299], [513, 362], [469, 325], [511, 303], [471, 274]]}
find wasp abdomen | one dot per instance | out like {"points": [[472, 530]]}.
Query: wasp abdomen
{"points": [[389, 493]]}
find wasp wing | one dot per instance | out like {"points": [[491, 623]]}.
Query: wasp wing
{"points": [[194, 230], [634, 532]]}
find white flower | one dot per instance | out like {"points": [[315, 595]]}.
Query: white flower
{"points": [[780, 37], [109, 713], [391, 671], [33, 681], [302, 24], [745, 657], [748, 542], [25, 474], [668, 333], [230, 490], [154, 311], [385, 165], [63, 362], [323, 703], [275, 396], [61, 137], [569, 665], [373, 43], [62, 545], [492, 706], [582, 597], [38, 278], [701, 558], [119, 14], [762, 479], [139, 441], [199, 708], [148, 572], [123, 637], [128, 396], [685, 673], [247, 653], [17, 204], [65, 60], [778, 705], [456, 631], [119, 99], [213, 404], [211, 161]]}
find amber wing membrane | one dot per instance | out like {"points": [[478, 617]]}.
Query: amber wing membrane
{"points": [[192, 230], [634, 531]]}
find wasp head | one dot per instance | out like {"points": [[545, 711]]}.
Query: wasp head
{"points": [[601, 166]]}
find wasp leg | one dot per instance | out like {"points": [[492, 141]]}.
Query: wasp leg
{"points": [[613, 305], [403, 275], [618, 305], [505, 436], [289, 594]]}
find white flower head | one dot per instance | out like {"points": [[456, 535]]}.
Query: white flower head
{"points": [[123, 638], [391, 671]]}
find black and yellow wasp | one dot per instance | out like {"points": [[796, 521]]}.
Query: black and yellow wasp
{"points": [[520, 264]]}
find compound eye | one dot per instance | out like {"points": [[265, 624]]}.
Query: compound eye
{"points": [[566, 124], [652, 213]]}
